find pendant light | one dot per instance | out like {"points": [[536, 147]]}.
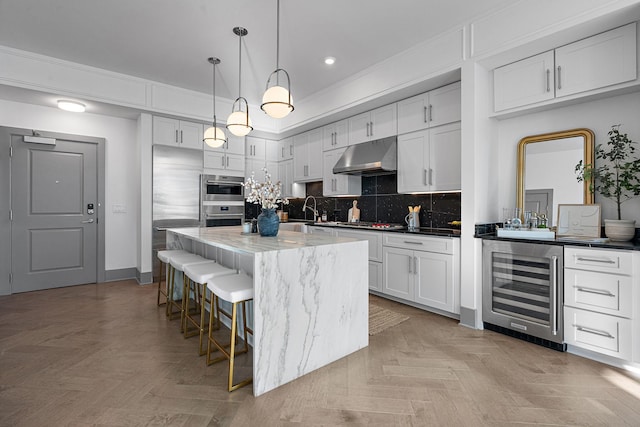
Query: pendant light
{"points": [[214, 136], [277, 101], [239, 122]]}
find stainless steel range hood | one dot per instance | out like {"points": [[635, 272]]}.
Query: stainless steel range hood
{"points": [[377, 157]]}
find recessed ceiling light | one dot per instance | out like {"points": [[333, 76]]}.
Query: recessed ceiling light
{"points": [[329, 60], [73, 106]]}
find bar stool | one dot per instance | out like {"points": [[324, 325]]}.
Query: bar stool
{"points": [[234, 288], [178, 262], [198, 275], [163, 256]]}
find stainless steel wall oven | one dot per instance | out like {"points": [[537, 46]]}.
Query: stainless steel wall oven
{"points": [[221, 200], [523, 291]]}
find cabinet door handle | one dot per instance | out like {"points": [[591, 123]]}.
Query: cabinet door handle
{"points": [[410, 272], [181, 138], [548, 80], [425, 114], [430, 176], [604, 261], [176, 136], [426, 179], [412, 243], [415, 265], [227, 161], [554, 293], [367, 128], [222, 158], [602, 292], [559, 77], [371, 128], [594, 331], [283, 152], [291, 150], [430, 112]]}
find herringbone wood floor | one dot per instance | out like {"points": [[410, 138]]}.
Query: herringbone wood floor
{"points": [[105, 355]]}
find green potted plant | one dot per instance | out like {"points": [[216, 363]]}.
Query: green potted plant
{"points": [[617, 178]]}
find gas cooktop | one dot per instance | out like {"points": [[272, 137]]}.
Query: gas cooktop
{"points": [[363, 224]]}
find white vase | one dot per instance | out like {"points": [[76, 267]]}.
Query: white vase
{"points": [[620, 230]]}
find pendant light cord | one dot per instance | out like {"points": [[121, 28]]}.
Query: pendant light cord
{"points": [[214, 95], [239, 65], [278, 36]]}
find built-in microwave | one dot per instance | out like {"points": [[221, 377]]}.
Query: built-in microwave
{"points": [[221, 200]]}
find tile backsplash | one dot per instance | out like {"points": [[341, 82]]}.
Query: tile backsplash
{"points": [[379, 202]]}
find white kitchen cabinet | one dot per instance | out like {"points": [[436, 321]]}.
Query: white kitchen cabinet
{"points": [[423, 269], [227, 159], [285, 149], [429, 160], [319, 229], [260, 148], [579, 67], [307, 156], [219, 162], [375, 124], [598, 300], [430, 109], [338, 184], [335, 135], [285, 175], [177, 133]]}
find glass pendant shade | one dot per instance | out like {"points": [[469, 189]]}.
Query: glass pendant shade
{"points": [[239, 123], [214, 137], [277, 102]]}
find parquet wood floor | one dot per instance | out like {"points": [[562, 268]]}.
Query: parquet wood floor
{"points": [[105, 355]]}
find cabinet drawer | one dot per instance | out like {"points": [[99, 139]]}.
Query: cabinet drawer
{"points": [[597, 332], [603, 260], [602, 292], [373, 237], [444, 245]]}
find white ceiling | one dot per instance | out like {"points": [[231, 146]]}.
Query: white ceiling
{"points": [[169, 40]]}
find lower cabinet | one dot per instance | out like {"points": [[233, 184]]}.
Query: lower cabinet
{"points": [[599, 298], [375, 253], [422, 269]]}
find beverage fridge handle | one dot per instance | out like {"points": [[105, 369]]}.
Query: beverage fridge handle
{"points": [[554, 291]]}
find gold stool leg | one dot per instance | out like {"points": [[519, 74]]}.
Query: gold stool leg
{"points": [[171, 281], [160, 284]]}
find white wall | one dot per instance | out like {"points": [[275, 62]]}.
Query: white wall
{"points": [[122, 180], [596, 115]]}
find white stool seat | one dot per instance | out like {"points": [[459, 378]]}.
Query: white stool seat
{"points": [[232, 288], [164, 255], [178, 261], [202, 272]]}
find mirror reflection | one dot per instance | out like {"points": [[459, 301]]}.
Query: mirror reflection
{"points": [[546, 171]]}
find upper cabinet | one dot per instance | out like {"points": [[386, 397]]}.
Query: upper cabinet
{"points": [[379, 123], [178, 133], [335, 135], [285, 149], [593, 63], [227, 159], [434, 108], [338, 185], [307, 156], [429, 160], [259, 148]]}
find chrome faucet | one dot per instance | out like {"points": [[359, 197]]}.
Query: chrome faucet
{"points": [[314, 209]]}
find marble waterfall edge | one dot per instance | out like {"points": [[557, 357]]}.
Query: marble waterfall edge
{"points": [[311, 308]]}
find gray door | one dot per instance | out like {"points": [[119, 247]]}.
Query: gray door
{"points": [[540, 201], [54, 232]]}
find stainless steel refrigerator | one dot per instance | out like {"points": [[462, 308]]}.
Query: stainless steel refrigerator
{"points": [[176, 193]]}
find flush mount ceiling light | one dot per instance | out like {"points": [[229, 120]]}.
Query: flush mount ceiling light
{"points": [[277, 101], [73, 106], [239, 122], [329, 60], [214, 136]]}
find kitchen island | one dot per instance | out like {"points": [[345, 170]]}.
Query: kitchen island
{"points": [[310, 304]]}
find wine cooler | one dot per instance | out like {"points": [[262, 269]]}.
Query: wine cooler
{"points": [[523, 290]]}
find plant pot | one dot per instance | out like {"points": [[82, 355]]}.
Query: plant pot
{"points": [[620, 230], [268, 223]]}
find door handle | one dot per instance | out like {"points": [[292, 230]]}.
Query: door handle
{"points": [[548, 80], [410, 272], [559, 78], [88, 221], [371, 127], [430, 112], [425, 115]]}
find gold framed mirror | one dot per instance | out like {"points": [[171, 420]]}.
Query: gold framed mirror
{"points": [[546, 174]]}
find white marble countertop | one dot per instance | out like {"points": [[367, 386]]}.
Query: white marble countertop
{"points": [[232, 239]]}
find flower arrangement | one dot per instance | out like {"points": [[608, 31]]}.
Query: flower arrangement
{"points": [[267, 194]]}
